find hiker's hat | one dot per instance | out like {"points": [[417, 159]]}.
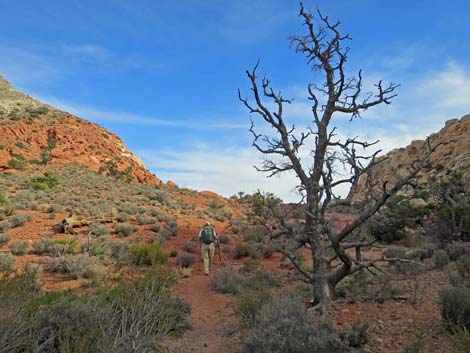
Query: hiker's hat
{"points": [[208, 223]]}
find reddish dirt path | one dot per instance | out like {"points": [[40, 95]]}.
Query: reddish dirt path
{"points": [[214, 326]]}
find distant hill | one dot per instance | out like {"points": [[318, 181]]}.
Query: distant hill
{"points": [[452, 154], [32, 132]]}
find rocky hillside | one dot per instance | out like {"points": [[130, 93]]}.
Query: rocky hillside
{"points": [[33, 133], [452, 153]]}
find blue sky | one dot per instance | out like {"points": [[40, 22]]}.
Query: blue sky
{"points": [[163, 75]]}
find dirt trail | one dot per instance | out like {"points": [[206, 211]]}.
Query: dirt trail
{"points": [[214, 326]]}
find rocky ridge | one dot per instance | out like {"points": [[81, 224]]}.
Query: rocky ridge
{"points": [[32, 132], [451, 154]]}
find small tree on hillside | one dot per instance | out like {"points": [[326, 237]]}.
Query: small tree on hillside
{"points": [[323, 47]]}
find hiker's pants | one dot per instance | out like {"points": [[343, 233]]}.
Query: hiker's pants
{"points": [[207, 254]]}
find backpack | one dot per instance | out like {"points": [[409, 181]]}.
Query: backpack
{"points": [[207, 235]]}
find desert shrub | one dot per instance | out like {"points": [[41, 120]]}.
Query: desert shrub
{"points": [[7, 262], [390, 223], [267, 250], [144, 254], [4, 226], [120, 251], [261, 279], [174, 253], [251, 266], [460, 339], [63, 246], [455, 306], [243, 250], [66, 327], [98, 230], [227, 281], [250, 234], [4, 238], [457, 249], [224, 239], [356, 336], [420, 253], [440, 259], [249, 303], [133, 317], [154, 228], [285, 327], [18, 162], [393, 253], [19, 247], [124, 230], [123, 217], [171, 229], [461, 277], [44, 246], [95, 248], [191, 247], [186, 260], [19, 219], [142, 220], [47, 181], [79, 266]]}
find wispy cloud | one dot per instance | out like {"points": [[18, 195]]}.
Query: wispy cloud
{"points": [[104, 115], [87, 50], [223, 169], [27, 68], [428, 101]]}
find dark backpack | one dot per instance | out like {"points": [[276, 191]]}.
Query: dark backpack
{"points": [[207, 235]]}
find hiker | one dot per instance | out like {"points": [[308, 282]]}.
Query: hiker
{"points": [[207, 236]]}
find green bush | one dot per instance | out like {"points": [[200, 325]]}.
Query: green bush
{"points": [[285, 327], [243, 250], [4, 238], [249, 303], [124, 230], [144, 254], [7, 262], [250, 234], [18, 162], [63, 246], [47, 181], [186, 260], [19, 247], [455, 306], [174, 253]]}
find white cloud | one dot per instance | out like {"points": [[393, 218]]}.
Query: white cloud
{"points": [[222, 169], [426, 104], [104, 115]]}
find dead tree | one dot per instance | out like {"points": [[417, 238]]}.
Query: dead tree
{"points": [[325, 52]]}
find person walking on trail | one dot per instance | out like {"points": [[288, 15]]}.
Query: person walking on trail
{"points": [[208, 237]]}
